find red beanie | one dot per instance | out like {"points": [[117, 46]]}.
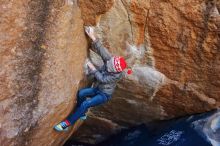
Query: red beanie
{"points": [[119, 63]]}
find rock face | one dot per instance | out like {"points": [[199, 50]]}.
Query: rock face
{"points": [[43, 48], [173, 47], [174, 53]]}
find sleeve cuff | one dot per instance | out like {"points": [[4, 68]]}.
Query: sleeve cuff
{"points": [[93, 71], [97, 43]]}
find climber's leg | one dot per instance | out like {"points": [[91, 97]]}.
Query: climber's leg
{"points": [[81, 97], [80, 111], [83, 93], [62, 126]]}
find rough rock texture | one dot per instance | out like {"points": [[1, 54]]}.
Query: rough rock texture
{"points": [[173, 47], [42, 51], [92, 10], [175, 55]]}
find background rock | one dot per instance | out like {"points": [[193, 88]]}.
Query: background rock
{"points": [[175, 60], [171, 45], [43, 48], [92, 9]]}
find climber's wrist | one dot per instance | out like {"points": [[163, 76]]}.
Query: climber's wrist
{"points": [[93, 38], [91, 66]]}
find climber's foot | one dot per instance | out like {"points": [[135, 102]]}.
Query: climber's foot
{"points": [[62, 126], [84, 117]]}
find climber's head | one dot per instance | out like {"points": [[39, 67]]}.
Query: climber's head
{"points": [[116, 64]]}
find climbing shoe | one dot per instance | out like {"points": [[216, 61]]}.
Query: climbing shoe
{"points": [[62, 126], [83, 117]]}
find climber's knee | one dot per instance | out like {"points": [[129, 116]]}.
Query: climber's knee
{"points": [[86, 92], [80, 94], [85, 105]]}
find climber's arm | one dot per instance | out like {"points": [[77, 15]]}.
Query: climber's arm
{"points": [[103, 78], [106, 78], [101, 50]]}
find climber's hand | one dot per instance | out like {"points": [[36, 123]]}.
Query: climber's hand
{"points": [[91, 66], [90, 32]]}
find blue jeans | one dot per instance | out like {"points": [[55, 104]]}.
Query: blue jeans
{"points": [[83, 104]]}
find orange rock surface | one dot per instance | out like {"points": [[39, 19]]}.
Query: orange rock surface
{"points": [[172, 46], [176, 63], [43, 49], [92, 9]]}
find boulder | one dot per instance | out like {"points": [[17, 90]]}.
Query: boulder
{"points": [[173, 48], [43, 49]]}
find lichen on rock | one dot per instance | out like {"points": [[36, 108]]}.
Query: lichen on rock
{"points": [[41, 68], [178, 41], [174, 53]]}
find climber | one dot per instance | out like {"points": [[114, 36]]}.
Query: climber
{"points": [[106, 78]]}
